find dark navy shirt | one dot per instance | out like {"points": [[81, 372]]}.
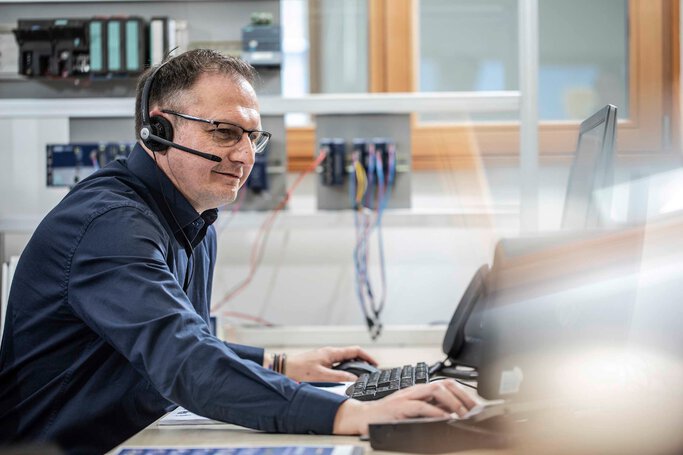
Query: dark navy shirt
{"points": [[101, 338]]}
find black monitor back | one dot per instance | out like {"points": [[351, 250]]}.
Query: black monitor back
{"points": [[550, 297], [592, 170]]}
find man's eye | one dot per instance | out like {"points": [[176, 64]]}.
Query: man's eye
{"points": [[227, 134]]}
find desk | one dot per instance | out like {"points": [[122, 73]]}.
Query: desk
{"points": [[222, 435], [567, 436], [233, 435]]}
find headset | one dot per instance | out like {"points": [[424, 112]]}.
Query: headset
{"points": [[157, 135], [157, 132]]}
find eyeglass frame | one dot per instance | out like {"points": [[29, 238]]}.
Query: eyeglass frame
{"points": [[215, 123]]}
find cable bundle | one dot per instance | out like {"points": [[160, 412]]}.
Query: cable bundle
{"points": [[369, 199]]}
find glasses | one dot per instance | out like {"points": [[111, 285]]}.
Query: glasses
{"points": [[226, 134]]}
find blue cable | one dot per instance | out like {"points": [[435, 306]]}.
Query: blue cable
{"points": [[356, 253]]}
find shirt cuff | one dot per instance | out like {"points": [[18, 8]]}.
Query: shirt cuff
{"points": [[313, 411], [247, 352]]}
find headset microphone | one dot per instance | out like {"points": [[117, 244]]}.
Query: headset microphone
{"points": [[157, 132], [167, 143]]}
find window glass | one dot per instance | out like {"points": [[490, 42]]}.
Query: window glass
{"points": [[583, 46], [468, 45], [295, 53], [341, 60], [472, 45]]}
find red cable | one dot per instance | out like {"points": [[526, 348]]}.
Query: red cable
{"points": [[261, 238]]}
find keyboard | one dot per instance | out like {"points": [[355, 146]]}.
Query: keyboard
{"points": [[386, 381]]}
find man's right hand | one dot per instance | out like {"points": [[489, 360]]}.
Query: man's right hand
{"points": [[436, 399]]}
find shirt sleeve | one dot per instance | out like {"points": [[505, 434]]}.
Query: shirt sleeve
{"points": [[247, 352], [120, 285]]}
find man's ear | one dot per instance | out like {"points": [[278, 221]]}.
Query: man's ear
{"points": [[158, 135]]}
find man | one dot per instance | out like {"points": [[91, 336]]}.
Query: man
{"points": [[108, 310]]}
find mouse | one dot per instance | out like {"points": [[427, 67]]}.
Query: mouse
{"points": [[356, 366]]}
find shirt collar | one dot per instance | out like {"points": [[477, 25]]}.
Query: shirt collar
{"points": [[167, 196]]}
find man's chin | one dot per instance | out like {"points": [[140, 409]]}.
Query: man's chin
{"points": [[228, 198]]}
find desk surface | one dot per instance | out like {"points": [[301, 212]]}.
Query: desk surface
{"points": [[229, 435], [619, 432], [232, 435]]}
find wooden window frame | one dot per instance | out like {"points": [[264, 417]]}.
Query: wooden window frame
{"points": [[653, 91]]}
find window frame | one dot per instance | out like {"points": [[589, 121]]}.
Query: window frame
{"points": [[436, 145], [653, 48]]}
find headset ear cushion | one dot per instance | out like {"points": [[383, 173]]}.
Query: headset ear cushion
{"points": [[159, 126]]}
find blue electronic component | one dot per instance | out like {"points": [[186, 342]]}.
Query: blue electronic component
{"points": [[68, 164], [384, 148], [338, 161], [262, 45], [359, 145], [377, 156], [258, 179], [326, 148], [334, 165]]}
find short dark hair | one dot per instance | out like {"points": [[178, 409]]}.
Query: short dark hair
{"points": [[180, 73]]}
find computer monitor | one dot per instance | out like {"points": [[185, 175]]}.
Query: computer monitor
{"points": [[551, 298], [592, 170]]}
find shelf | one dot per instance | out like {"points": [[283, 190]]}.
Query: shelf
{"points": [[302, 218], [396, 103], [375, 103], [67, 107], [292, 336], [33, 2]]}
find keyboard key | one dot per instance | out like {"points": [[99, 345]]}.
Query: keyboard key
{"points": [[407, 372], [387, 381], [421, 373], [407, 383]]}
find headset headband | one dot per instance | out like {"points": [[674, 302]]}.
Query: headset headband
{"points": [[146, 93]]}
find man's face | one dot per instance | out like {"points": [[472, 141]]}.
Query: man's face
{"points": [[208, 184]]}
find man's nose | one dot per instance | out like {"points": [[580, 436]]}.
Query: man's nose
{"points": [[243, 151]]}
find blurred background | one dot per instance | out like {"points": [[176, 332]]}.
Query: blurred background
{"points": [[473, 108]]}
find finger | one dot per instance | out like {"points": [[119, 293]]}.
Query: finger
{"points": [[459, 392], [414, 408], [450, 397], [335, 355], [420, 392], [444, 398], [356, 352]]}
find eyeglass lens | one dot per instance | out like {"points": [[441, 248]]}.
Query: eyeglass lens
{"points": [[226, 135]]}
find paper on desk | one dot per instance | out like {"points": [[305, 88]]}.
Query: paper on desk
{"points": [[337, 389], [181, 416], [259, 450]]}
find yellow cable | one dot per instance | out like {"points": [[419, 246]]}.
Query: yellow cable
{"points": [[361, 178]]}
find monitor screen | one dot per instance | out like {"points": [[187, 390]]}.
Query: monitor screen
{"points": [[592, 170]]}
